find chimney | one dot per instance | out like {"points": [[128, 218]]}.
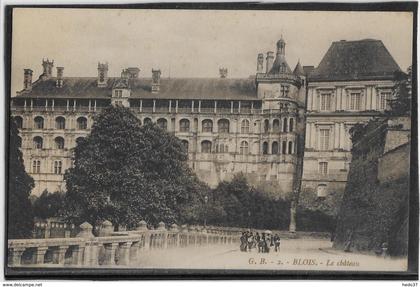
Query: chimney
{"points": [[124, 74], [223, 72], [27, 79], [260, 63], [102, 74], [59, 81], [155, 81], [47, 67], [270, 60]]}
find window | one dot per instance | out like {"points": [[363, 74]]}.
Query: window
{"points": [[163, 124], [39, 122], [184, 125], [147, 121], [323, 168], [265, 148], [36, 166], [118, 93], [266, 126], [290, 149], [324, 139], [206, 147], [291, 125], [59, 143], [275, 148], [244, 148], [60, 123], [207, 126], [223, 126], [82, 123], [285, 125], [276, 126], [185, 145], [38, 142], [284, 147], [325, 102], [58, 166], [383, 100], [284, 90], [18, 122], [355, 99], [245, 127]]}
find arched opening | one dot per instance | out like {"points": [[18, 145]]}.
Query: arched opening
{"points": [[39, 122], [265, 148], [185, 144], [147, 121], [285, 125], [223, 126], [184, 125], [290, 149], [244, 148], [38, 142], [207, 126], [206, 146], [276, 126], [284, 147], [162, 123], [291, 125], [59, 143], [275, 148], [18, 121], [60, 123], [81, 123], [266, 126]]}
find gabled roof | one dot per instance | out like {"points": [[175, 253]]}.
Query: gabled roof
{"points": [[176, 88], [355, 60]]}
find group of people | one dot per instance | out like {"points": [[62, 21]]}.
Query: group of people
{"points": [[263, 242]]}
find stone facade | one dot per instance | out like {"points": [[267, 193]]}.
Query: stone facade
{"points": [[230, 126], [351, 85]]}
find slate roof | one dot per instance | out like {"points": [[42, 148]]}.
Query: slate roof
{"points": [[355, 60], [280, 59], [298, 71], [176, 88]]}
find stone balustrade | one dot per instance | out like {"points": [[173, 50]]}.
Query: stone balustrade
{"points": [[112, 248]]}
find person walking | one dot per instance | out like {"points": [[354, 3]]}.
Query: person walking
{"points": [[250, 241], [243, 242], [276, 243]]}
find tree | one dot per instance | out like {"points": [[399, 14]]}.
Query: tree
{"points": [[401, 102], [20, 217], [48, 204], [124, 172]]}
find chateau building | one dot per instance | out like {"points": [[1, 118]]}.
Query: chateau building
{"points": [[254, 125]]}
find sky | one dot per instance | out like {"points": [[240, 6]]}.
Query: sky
{"points": [[190, 43]]}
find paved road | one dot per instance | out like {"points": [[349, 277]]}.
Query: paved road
{"points": [[295, 254]]}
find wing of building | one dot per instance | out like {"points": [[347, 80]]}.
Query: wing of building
{"points": [[351, 85], [254, 125]]}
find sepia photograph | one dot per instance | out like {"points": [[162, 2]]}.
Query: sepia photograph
{"points": [[219, 141]]}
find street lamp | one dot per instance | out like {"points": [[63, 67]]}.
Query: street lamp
{"points": [[206, 199]]}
